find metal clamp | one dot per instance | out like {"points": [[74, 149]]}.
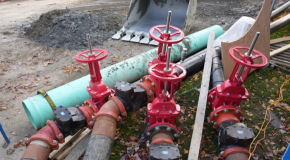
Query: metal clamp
{"points": [[56, 131], [46, 96]]}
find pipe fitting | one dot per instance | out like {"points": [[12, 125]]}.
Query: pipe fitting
{"points": [[49, 134]]}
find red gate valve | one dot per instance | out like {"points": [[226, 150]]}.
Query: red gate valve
{"points": [[164, 40], [163, 108], [231, 92], [97, 89]]}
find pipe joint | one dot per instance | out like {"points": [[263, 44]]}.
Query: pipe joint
{"points": [[49, 134], [223, 155], [150, 85]]}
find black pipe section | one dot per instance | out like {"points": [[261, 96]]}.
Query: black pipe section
{"points": [[195, 63], [218, 76], [280, 23]]}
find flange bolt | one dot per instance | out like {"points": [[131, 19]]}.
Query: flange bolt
{"points": [[222, 153], [148, 133], [215, 115], [168, 129], [60, 135], [211, 96], [150, 92], [26, 139], [91, 122], [241, 118], [226, 110], [146, 79], [54, 141], [175, 135], [157, 128], [152, 84], [209, 103], [237, 111]]}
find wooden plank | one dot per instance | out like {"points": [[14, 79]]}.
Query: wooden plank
{"points": [[62, 146], [68, 149], [190, 16], [282, 49], [201, 106], [261, 25], [279, 40]]}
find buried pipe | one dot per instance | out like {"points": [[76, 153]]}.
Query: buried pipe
{"points": [[74, 93]]}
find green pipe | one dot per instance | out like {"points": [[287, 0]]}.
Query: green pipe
{"points": [[39, 111]]}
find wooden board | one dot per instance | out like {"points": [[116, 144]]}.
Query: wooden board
{"points": [[201, 106], [279, 40], [282, 49], [63, 154], [66, 146], [261, 25]]}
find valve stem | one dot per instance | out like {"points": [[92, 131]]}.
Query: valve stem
{"points": [[167, 69], [167, 30], [89, 44], [91, 52], [247, 54]]}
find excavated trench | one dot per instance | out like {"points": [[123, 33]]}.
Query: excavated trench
{"points": [[67, 29]]}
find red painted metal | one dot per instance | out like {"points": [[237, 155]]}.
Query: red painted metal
{"points": [[49, 135], [224, 99], [164, 39], [97, 89], [233, 150], [163, 109]]}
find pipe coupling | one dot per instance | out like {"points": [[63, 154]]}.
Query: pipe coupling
{"points": [[49, 134], [223, 155]]}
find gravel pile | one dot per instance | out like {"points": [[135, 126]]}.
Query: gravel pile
{"points": [[67, 29]]}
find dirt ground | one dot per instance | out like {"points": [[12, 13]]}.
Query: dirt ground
{"points": [[27, 65]]}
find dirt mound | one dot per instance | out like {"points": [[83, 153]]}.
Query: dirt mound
{"points": [[67, 29]]}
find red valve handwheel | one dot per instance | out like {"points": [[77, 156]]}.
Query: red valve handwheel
{"points": [[248, 61], [93, 57], [157, 71], [166, 36]]}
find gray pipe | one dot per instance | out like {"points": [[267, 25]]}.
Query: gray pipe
{"points": [[279, 10], [280, 23]]}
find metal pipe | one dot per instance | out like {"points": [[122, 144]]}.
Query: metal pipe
{"points": [[37, 150], [74, 93], [103, 134], [217, 77], [280, 10], [272, 6], [280, 23], [4, 134]]}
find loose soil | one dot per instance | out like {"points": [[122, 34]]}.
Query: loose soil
{"points": [[68, 29]]}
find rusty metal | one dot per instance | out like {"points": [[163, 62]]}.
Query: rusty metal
{"points": [[233, 150], [37, 150], [110, 109], [120, 106], [237, 156], [105, 126], [162, 138]]}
